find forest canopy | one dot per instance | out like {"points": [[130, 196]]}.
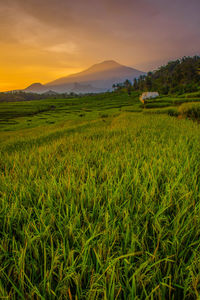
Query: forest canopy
{"points": [[177, 77]]}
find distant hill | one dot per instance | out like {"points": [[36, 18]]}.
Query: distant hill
{"points": [[177, 77], [98, 78], [36, 88]]}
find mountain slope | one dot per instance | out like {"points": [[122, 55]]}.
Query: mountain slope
{"points": [[98, 78], [102, 71]]}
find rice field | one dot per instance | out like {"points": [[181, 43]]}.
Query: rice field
{"points": [[103, 206]]}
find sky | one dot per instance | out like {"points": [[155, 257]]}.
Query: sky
{"points": [[42, 40]]}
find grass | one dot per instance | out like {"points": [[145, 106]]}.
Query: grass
{"points": [[103, 206]]}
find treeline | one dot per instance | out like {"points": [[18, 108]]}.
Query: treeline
{"points": [[177, 77], [22, 96]]}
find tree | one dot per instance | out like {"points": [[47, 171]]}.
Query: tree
{"points": [[179, 76], [128, 86]]}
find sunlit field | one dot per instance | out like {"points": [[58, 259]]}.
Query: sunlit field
{"points": [[99, 199]]}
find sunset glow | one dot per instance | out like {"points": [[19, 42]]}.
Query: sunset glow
{"points": [[44, 40]]}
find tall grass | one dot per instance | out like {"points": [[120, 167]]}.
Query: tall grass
{"points": [[110, 211]]}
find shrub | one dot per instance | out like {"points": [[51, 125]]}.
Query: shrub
{"points": [[190, 110]]}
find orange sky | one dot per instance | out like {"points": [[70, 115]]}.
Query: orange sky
{"points": [[41, 40]]}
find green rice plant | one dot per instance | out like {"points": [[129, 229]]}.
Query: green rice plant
{"points": [[171, 111], [92, 209], [193, 95], [101, 210]]}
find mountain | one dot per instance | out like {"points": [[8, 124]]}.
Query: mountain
{"points": [[98, 78], [83, 88], [36, 88]]}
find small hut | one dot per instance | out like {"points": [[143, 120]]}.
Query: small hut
{"points": [[148, 95]]}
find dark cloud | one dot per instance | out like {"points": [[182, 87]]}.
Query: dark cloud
{"points": [[150, 20]]}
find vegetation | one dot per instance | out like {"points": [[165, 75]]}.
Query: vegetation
{"points": [[190, 110], [16, 96], [99, 201], [23, 114], [176, 78]]}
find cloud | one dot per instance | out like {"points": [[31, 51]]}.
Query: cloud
{"points": [[61, 21], [68, 47], [52, 34]]}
